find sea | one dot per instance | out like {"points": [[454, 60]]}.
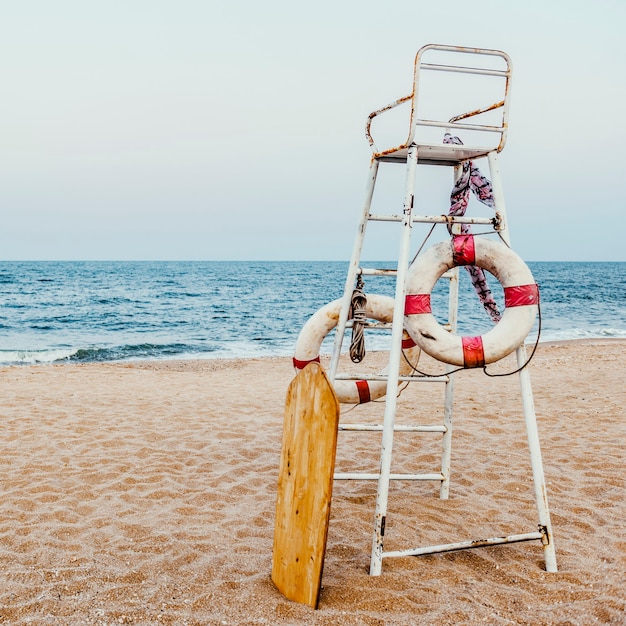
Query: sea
{"points": [[92, 311]]}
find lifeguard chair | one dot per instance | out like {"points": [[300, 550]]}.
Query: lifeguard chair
{"points": [[443, 77]]}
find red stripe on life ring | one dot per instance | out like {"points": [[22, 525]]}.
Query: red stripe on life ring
{"points": [[463, 250], [408, 343], [521, 295], [364, 391], [473, 353], [417, 303], [300, 365]]}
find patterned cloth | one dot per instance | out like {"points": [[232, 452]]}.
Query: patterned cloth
{"points": [[472, 180]]}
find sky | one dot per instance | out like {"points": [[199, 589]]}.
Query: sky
{"points": [[205, 130]]}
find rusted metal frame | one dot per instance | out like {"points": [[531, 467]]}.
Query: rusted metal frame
{"points": [[465, 545], [506, 74], [373, 114], [545, 534], [382, 494], [464, 116], [419, 66], [464, 50], [411, 96], [530, 417]]}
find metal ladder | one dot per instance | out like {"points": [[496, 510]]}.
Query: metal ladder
{"points": [[419, 148]]}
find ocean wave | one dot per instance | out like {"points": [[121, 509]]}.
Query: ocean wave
{"points": [[243, 349], [95, 354], [32, 357], [97, 312], [582, 333], [133, 352]]}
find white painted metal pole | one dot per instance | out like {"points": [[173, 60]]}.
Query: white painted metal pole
{"points": [[448, 405], [393, 368], [352, 271], [527, 400], [539, 480], [465, 545]]}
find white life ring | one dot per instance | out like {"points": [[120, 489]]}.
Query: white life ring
{"points": [[324, 320], [521, 296]]}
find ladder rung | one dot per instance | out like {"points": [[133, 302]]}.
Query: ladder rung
{"points": [[464, 545], [404, 428], [386, 325], [462, 69], [371, 324], [365, 271], [376, 272], [434, 219], [365, 476], [404, 379]]}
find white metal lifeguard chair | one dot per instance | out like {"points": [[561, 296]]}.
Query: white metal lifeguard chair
{"points": [[480, 124]]}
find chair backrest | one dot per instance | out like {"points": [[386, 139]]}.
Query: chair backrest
{"points": [[464, 91]]}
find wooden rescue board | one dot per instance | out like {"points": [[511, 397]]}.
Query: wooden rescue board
{"points": [[305, 484]]}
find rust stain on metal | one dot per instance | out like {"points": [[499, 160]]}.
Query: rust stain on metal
{"points": [[545, 536], [463, 116]]}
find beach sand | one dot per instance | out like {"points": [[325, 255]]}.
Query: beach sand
{"points": [[144, 493]]}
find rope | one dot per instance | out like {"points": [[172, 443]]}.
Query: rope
{"points": [[532, 354], [484, 368], [359, 317], [471, 180]]}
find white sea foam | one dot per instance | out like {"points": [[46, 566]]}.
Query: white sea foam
{"points": [[582, 333], [32, 357]]}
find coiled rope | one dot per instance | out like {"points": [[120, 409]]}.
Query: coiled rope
{"points": [[358, 303]]}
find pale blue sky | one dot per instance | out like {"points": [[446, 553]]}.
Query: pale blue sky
{"points": [[193, 129]]}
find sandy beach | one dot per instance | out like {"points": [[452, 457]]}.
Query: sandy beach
{"points": [[144, 493]]}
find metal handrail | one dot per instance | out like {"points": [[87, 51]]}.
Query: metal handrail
{"points": [[452, 123]]}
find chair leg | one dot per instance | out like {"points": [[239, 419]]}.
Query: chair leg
{"points": [[394, 368], [545, 525]]}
